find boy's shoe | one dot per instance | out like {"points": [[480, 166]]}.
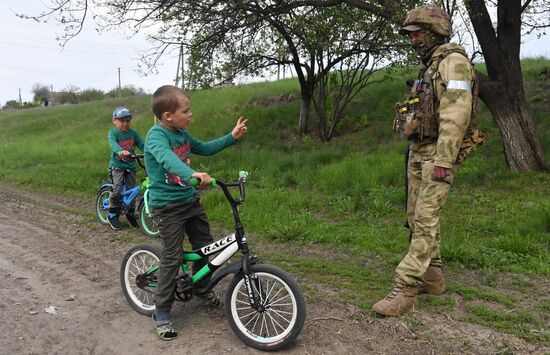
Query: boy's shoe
{"points": [[114, 222], [165, 329], [211, 298], [132, 220]]}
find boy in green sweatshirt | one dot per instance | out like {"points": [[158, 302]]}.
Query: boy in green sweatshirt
{"points": [[175, 204], [122, 169]]}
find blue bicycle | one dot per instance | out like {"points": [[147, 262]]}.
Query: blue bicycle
{"points": [[146, 223]]}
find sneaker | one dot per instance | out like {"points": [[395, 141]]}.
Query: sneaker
{"points": [[211, 298], [114, 222], [132, 220]]}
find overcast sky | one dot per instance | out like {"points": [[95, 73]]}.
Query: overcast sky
{"points": [[30, 54]]}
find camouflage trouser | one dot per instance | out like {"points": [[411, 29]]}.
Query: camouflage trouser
{"points": [[425, 200]]}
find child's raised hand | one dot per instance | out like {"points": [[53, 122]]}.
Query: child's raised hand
{"points": [[240, 128]]}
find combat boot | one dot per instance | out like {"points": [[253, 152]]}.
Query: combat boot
{"points": [[401, 299], [434, 283]]}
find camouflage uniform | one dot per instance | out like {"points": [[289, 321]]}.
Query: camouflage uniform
{"points": [[438, 117], [452, 82]]}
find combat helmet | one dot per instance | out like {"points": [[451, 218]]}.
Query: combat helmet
{"points": [[121, 112], [429, 17]]}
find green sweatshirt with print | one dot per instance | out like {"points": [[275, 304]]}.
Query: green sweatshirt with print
{"points": [[169, 166], [119, 141]]}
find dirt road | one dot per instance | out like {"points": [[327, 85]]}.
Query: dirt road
{"points": [[61, 295]]}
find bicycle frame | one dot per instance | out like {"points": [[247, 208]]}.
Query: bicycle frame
{"points": [[128, 196], [225, 248]]}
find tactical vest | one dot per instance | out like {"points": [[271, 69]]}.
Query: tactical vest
{"points": [[416, 116]]}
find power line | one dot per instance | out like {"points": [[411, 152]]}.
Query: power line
{"points": [[65, 50], [72, 42]]}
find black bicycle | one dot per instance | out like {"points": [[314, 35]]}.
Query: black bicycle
{"points": [[264, 305]]}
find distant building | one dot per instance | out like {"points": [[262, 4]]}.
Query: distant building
{"points": [[48, 99]]}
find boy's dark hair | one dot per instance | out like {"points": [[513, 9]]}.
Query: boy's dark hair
{"points": [[165, 99]]}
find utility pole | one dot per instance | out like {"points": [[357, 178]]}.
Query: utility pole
{"points": [[181, 64], [119, 78]]}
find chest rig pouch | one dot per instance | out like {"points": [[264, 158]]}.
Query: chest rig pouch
{"points": [[415, 117]]}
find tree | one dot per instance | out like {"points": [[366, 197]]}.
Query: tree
{"points": [[230, 38], [41, 93], [502, 89], [12, 104], [346, 60], [126, 91]]}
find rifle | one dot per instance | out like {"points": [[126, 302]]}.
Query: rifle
{"points": [[406, 161]]}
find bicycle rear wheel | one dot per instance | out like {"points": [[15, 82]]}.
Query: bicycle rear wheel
{"points": [[281, 314], [102, 204], [147, 224], [137, 280]]}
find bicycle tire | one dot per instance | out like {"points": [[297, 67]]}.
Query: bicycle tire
{"points": [[146, 223], [103, 194], [284, 314], [135, 262]]}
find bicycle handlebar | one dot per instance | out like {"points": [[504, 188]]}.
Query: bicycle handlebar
{"points": [[133, 156], [240, 184]]}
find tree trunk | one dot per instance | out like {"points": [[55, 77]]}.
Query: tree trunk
{"points": [[503, 90], [522, 150], [304, 113]]}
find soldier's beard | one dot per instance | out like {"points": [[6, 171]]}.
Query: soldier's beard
{"points": [[426, 45]]}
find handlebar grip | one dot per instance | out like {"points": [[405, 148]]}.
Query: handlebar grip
{"points": [[196, 182]]}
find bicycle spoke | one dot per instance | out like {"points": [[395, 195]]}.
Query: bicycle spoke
{"points": [[280, 311], [277, 294], [277, 302], [262, 325], [256, 317], [244, 302], [287, 320], [269, 290], [273, 321], [249, 314], [242, 308]]}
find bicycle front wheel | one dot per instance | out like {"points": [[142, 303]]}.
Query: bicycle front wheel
{"points": [[102, 204], [280, 315], [147, 224], [138, 277]]}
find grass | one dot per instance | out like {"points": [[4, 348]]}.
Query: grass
{"points": [[523, 324], [345, 194]]}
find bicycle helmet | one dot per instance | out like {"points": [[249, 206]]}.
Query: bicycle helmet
{"points": [[121, 112]]}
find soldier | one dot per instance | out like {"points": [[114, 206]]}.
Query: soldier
{"points": [[438, 117]]}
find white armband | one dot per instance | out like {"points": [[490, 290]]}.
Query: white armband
{"points": [[459, 85]]}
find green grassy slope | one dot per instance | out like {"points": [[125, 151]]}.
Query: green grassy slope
{"points": [[347, 193]]}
